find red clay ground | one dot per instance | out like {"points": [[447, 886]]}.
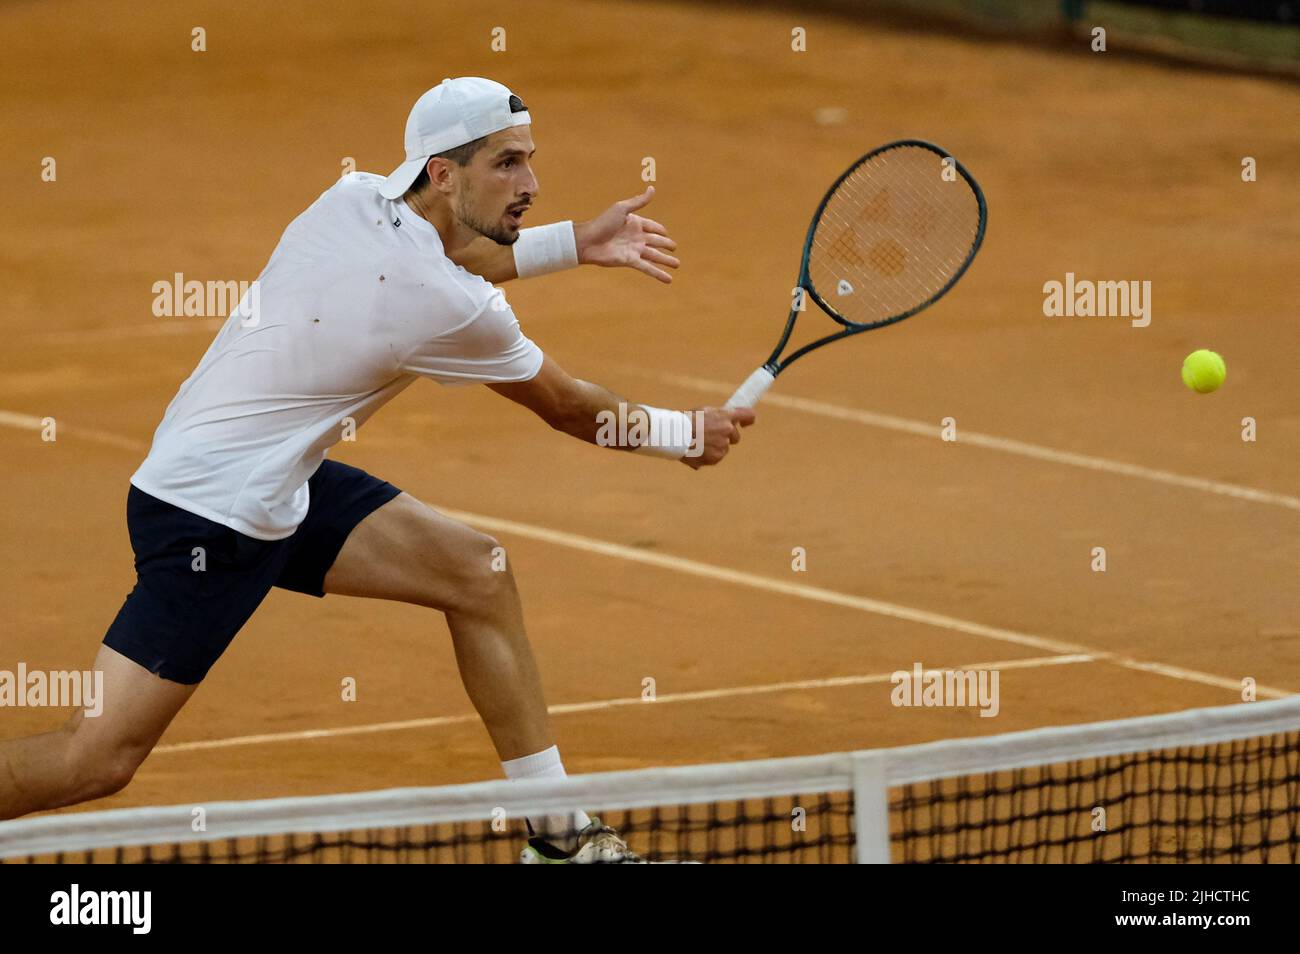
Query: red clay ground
{"points": [[170, 160]]}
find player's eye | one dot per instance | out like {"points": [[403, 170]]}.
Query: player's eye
{"points": [[508, 163]]}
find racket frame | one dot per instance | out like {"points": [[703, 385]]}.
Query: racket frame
{"points": [[775, 364]]}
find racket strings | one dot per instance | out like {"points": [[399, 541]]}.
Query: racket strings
{"points": [[892, 236]]}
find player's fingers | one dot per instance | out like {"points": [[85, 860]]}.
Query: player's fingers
{"points": [[650, 225], [641, 265], [637, 201], [744, 416], [659, 258], [735, 434], [660, 241]]}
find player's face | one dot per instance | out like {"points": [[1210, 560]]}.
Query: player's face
{"points": [[498, 185]]}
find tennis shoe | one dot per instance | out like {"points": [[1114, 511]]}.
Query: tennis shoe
{"points": [[598, 844]]}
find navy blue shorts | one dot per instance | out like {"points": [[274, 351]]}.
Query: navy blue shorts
{"points": [[178, 620]]}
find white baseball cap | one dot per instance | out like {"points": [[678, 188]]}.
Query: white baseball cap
{"points": [[454, 112]]}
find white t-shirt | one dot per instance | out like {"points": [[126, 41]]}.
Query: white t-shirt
{"points": [[357, 300]]}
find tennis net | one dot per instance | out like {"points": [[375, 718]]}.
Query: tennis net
{"points": [[1205, 785]]}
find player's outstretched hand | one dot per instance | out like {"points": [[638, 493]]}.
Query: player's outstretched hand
{"points": [[721, 430], [618, 236]]}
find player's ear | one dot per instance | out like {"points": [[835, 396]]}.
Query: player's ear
{"points": [[442, 174]]}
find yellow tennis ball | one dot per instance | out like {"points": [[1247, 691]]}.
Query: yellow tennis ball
{"points": [[1204, 371]]}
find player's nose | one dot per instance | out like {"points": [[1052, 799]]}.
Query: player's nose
{"points": [[531, 186]]}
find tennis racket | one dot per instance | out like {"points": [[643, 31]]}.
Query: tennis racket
{"points": [[891, 237]]}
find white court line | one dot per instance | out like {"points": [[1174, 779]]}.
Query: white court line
{"points": [[848, 600], [162, 327], [821, 408], [820, 595], [29, 422], [1004, 444], [601, 704]]}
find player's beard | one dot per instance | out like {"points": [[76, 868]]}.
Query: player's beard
{"points": [[467, 216]]}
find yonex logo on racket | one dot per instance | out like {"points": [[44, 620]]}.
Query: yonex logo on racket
{"points": [[893, 234]]}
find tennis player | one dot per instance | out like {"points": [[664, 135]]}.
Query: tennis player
{"points": [[380, 282]]}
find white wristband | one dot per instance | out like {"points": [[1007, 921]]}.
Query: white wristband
{"points": [[545, 249], [671, 434]]}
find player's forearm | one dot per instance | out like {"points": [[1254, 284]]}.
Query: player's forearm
{"points": [[601, 417], [597, 415], [584, 409], [537, 251]]}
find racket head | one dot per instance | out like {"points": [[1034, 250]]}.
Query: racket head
{"points": [[892, 235]]}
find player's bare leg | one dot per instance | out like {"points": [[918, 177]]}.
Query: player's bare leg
{"points": [[91, 757], [407, 551]]}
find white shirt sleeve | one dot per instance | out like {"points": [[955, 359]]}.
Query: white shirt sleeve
{"points": [[489, 347]]}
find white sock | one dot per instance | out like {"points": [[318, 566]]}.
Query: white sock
{"points": [[559, 829]]}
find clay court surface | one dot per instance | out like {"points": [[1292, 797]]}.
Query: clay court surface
{"points": [[1111, 168]]}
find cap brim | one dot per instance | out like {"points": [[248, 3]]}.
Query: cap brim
{"points": [[401, 178]]}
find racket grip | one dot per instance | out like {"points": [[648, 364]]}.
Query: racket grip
{"points": [[755, 387]]}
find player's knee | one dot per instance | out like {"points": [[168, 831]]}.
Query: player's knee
{"points": [[114, 776], [483, 576], [106, 772]]}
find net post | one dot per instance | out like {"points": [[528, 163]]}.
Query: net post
{"points": [[870, 809]]}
